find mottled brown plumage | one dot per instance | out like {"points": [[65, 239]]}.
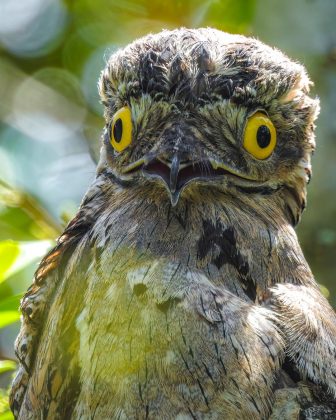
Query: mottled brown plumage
{"points": [[179, 290]]}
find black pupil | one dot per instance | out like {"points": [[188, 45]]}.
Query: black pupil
{"points": [[117, 130], [263, 136]]}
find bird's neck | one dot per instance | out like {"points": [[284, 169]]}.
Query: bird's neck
{"points": [[240, 246]]}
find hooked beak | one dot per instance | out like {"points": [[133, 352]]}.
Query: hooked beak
{"points": [[176, 175]]}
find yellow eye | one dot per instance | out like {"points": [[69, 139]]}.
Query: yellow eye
{"points": [[259, 136], [121, 129]]}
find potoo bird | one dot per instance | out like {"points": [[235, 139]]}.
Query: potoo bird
{"points": [[179, 290]]}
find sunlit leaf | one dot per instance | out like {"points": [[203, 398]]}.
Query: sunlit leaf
{"points": [[29, 252], [5, 412], [6, 416], [15, 224], [15, 256], [10, 304], [9, 310], [9, 251], [8, 317], [7, 365]]}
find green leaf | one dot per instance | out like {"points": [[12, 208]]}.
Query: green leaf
{"points": [[8, 317], [9, 310], [18, 255], [11, 303], [7, 415], [6, 365], [9, 251]]}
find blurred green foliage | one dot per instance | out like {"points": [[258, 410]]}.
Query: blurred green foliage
{"points": [[51, 54], [15, 257]]}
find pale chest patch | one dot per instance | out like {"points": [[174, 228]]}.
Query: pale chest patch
{"points": [[148, 340]]}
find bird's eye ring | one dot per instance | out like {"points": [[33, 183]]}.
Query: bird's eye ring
{"points": [[121, 129], [259, 136]]}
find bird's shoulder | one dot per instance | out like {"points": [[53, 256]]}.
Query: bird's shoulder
{"points": [[36, 304]]}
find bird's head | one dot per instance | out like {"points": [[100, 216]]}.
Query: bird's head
{"points": [[192, 112]]}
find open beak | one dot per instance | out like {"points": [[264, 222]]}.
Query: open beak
{"points": [[177, 174]]}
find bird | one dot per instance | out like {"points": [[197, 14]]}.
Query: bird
{"points": [[179, 290]]}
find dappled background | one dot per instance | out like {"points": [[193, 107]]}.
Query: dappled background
{"points": [[51, 54]]}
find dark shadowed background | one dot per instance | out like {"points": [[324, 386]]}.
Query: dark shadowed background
{"points": [[51, 54]]}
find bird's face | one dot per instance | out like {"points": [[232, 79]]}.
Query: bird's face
{"points": [[208, 109]]}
